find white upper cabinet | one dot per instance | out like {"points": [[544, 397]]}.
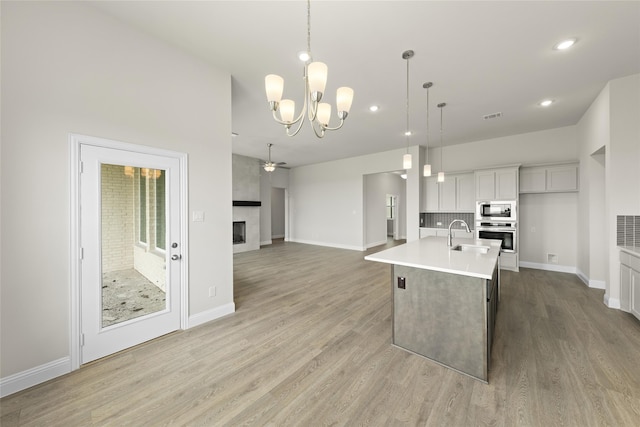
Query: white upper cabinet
{"points": [[455, 194], [465, 193], [497, 184], [549, 179]]}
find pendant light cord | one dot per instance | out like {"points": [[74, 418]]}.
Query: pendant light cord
{"points": [[406, 133], [427, 124], [309, 28], [441, 147]]}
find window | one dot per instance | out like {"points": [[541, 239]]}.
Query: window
{"points": [[142, 209], [391, 207], [161, 226]]}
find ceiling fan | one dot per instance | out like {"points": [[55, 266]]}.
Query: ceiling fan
{"points": [[270, 166]]}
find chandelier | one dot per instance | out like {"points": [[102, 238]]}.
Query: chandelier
{"points": [[315, 79]]}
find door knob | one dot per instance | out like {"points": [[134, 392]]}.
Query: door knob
{"points": [[176, 257]]}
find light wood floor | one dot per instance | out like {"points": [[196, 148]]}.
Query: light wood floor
{"points": [[309, 345]]}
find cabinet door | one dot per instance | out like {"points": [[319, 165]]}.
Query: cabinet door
{"points": [[533, 180], [635, 293], [432, 197], [448, 194], [625, 287], [485, 185], [465, 193], [562, 178], [506, 184]]}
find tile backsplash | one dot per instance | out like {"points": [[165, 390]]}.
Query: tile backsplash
{"points": [[628, 230], [431, 220]]}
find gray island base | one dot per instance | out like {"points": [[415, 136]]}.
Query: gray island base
{"points": [[445, 301]]}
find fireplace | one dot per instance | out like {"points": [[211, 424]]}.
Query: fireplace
{"points": [[239, 232]]}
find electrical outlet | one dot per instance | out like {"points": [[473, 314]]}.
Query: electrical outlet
{"points": [[212, 291], [402, 283], [552, 258]]}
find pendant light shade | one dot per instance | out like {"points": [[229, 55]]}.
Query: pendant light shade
{"points": [[440, 176], [406, 161], [426, 170]]}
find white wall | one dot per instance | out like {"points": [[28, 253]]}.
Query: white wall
{"points": [[593, 136], [547, 146], [66, 67], [376, 188], [326, 199], [548, 226]]}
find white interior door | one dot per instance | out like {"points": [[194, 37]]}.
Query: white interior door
{"points": [[130, 235]]}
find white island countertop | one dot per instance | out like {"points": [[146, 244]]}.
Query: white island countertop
{"points": [[432, 253]]}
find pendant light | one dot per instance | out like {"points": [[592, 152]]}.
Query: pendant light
{"points": [[406, 159], [441, 173], [426, 170]]}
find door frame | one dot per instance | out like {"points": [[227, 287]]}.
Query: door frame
{"points": [[75, 247]]}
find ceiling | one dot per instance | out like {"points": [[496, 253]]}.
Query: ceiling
{"points": [[482, 57]]}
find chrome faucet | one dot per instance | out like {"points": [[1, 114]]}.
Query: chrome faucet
{"points": [[449, 234]]}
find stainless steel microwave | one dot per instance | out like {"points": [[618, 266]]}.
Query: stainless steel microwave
{"points": [[496, 211]]}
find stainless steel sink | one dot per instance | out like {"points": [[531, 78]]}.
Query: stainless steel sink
{"points": [[471, 248]]}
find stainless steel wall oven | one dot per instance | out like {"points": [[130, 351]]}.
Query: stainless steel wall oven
{"points": [[504, 231]]}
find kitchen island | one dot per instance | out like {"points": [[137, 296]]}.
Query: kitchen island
{"points": [[444, 300]]}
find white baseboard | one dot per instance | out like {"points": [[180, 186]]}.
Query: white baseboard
{"points": [[382, 242], [548, 267], [34, 376], [595, 284], [330, 245], [209, 315], [279, 236], [266, 242], [611, 302]]}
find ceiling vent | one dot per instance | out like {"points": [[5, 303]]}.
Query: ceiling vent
{"points": [[492, 116]]}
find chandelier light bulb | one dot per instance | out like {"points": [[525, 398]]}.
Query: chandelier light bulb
{"points": [[287, 110], [274, 85], [344, 99], [324, 113], [318, 72]]}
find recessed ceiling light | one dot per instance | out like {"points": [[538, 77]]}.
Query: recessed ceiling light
{"points": [[407, 133], [565, 44], [374, 108], [304, 56], [546, 102]]}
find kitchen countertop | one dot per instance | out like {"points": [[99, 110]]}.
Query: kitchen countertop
{"points": [[633, 250], [432, 253]]}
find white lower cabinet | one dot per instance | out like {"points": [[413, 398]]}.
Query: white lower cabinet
{"points": [[635, 293], [630, 283], [509, 261]]}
